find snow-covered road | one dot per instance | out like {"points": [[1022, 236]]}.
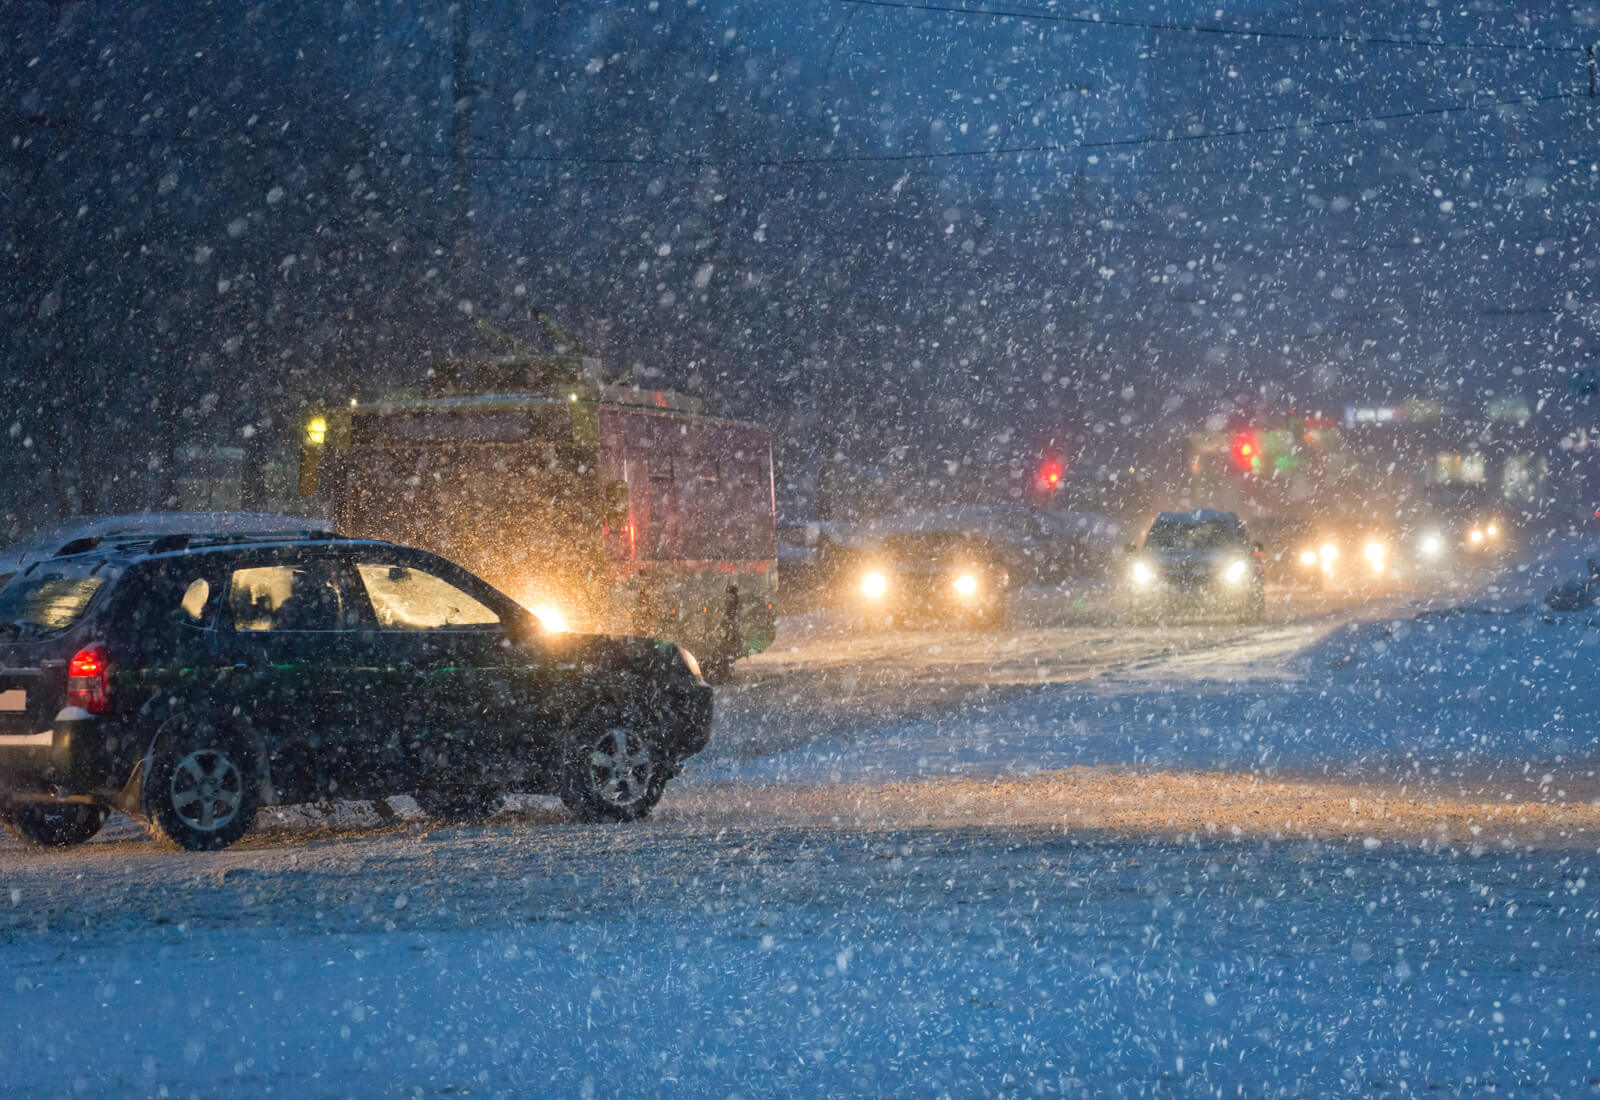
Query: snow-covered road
{"points": [[1351, 852]]}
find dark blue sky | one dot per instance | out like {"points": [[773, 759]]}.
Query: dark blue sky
{"points": [[796, 209]]}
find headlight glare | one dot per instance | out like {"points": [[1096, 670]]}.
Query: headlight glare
{"points": [[966, 584], [874, 585], [551, 618], [1142, 573]]}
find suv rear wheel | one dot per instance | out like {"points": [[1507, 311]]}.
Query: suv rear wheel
{"points": [[204, 787], [612, 772], [55, 824]]}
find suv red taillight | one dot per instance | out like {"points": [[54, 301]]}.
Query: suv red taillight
{"points": [[88, 680]]}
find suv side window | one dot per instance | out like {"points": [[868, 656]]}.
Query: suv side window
{"points": [[289, 596], [406, 598]]}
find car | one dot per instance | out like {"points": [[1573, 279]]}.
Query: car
{"points": [[1354, 555], [1202, 560], [1458, 523], [187, 680], [939, 576]]}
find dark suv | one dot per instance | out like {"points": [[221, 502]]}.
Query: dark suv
{"points": [[187, 680]]}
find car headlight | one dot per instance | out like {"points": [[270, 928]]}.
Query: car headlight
{"points": [[551, 618], [1431, 545], [966, 584], [1492, 530], [1236, 572], [1375, 552], [1308, 558], [1328, 552], [874, 585], [1142, 573], [1475, 536]]}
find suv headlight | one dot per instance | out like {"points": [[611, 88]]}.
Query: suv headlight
{"points": [[1235, 572], [1142, 573], [966, 584], [874, 585]]}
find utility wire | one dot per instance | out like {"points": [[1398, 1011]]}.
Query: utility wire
{"points": [[1039, 15], [1134, 142]]}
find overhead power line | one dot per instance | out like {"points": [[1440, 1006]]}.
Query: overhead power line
{"points": [[1042, 16], [297, 144]]}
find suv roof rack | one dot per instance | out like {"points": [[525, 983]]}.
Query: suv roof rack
{"points": [[173, 542]]}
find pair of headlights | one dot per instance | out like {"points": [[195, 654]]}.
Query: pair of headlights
{"points": [[874, 585], [1374, 551]]}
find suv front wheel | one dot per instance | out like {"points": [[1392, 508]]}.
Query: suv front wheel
{"points": [[612, 771], [204, 787]]}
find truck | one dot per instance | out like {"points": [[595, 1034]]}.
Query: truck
{"points": [[601, 507]]}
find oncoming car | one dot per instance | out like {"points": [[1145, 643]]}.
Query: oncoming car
{"points": [[188, 680], [1200, 561], [931, 575], [1354, 555], [1454, 524]]}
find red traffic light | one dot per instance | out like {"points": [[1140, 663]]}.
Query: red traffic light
{"points": [[1052, 473], [1246, 451]]}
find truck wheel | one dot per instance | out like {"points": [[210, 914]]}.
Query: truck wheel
{"points": [[204, 786], [612, 771], [55, 824]]}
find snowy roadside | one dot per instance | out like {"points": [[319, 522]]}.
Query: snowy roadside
{"points": [[1214, 862]]}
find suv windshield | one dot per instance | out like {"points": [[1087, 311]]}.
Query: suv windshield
{"points": [[1192, 535], [52, 597]]}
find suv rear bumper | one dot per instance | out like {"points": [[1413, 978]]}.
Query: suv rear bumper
{"points": [[71, 757]]}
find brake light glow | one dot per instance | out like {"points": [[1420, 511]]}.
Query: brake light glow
{"points": [[89, 680]]}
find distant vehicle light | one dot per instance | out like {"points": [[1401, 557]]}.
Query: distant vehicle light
{"points": [[552, 619], [1308, 557], [1432, 545], [874, 585], [1236, 572], [967, 584], [1492, 530], [1142, 573], [1328, 552], [1476, 535]]}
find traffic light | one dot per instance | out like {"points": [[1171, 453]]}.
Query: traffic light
{"points": [[1052, 475], [1246, 452]]}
